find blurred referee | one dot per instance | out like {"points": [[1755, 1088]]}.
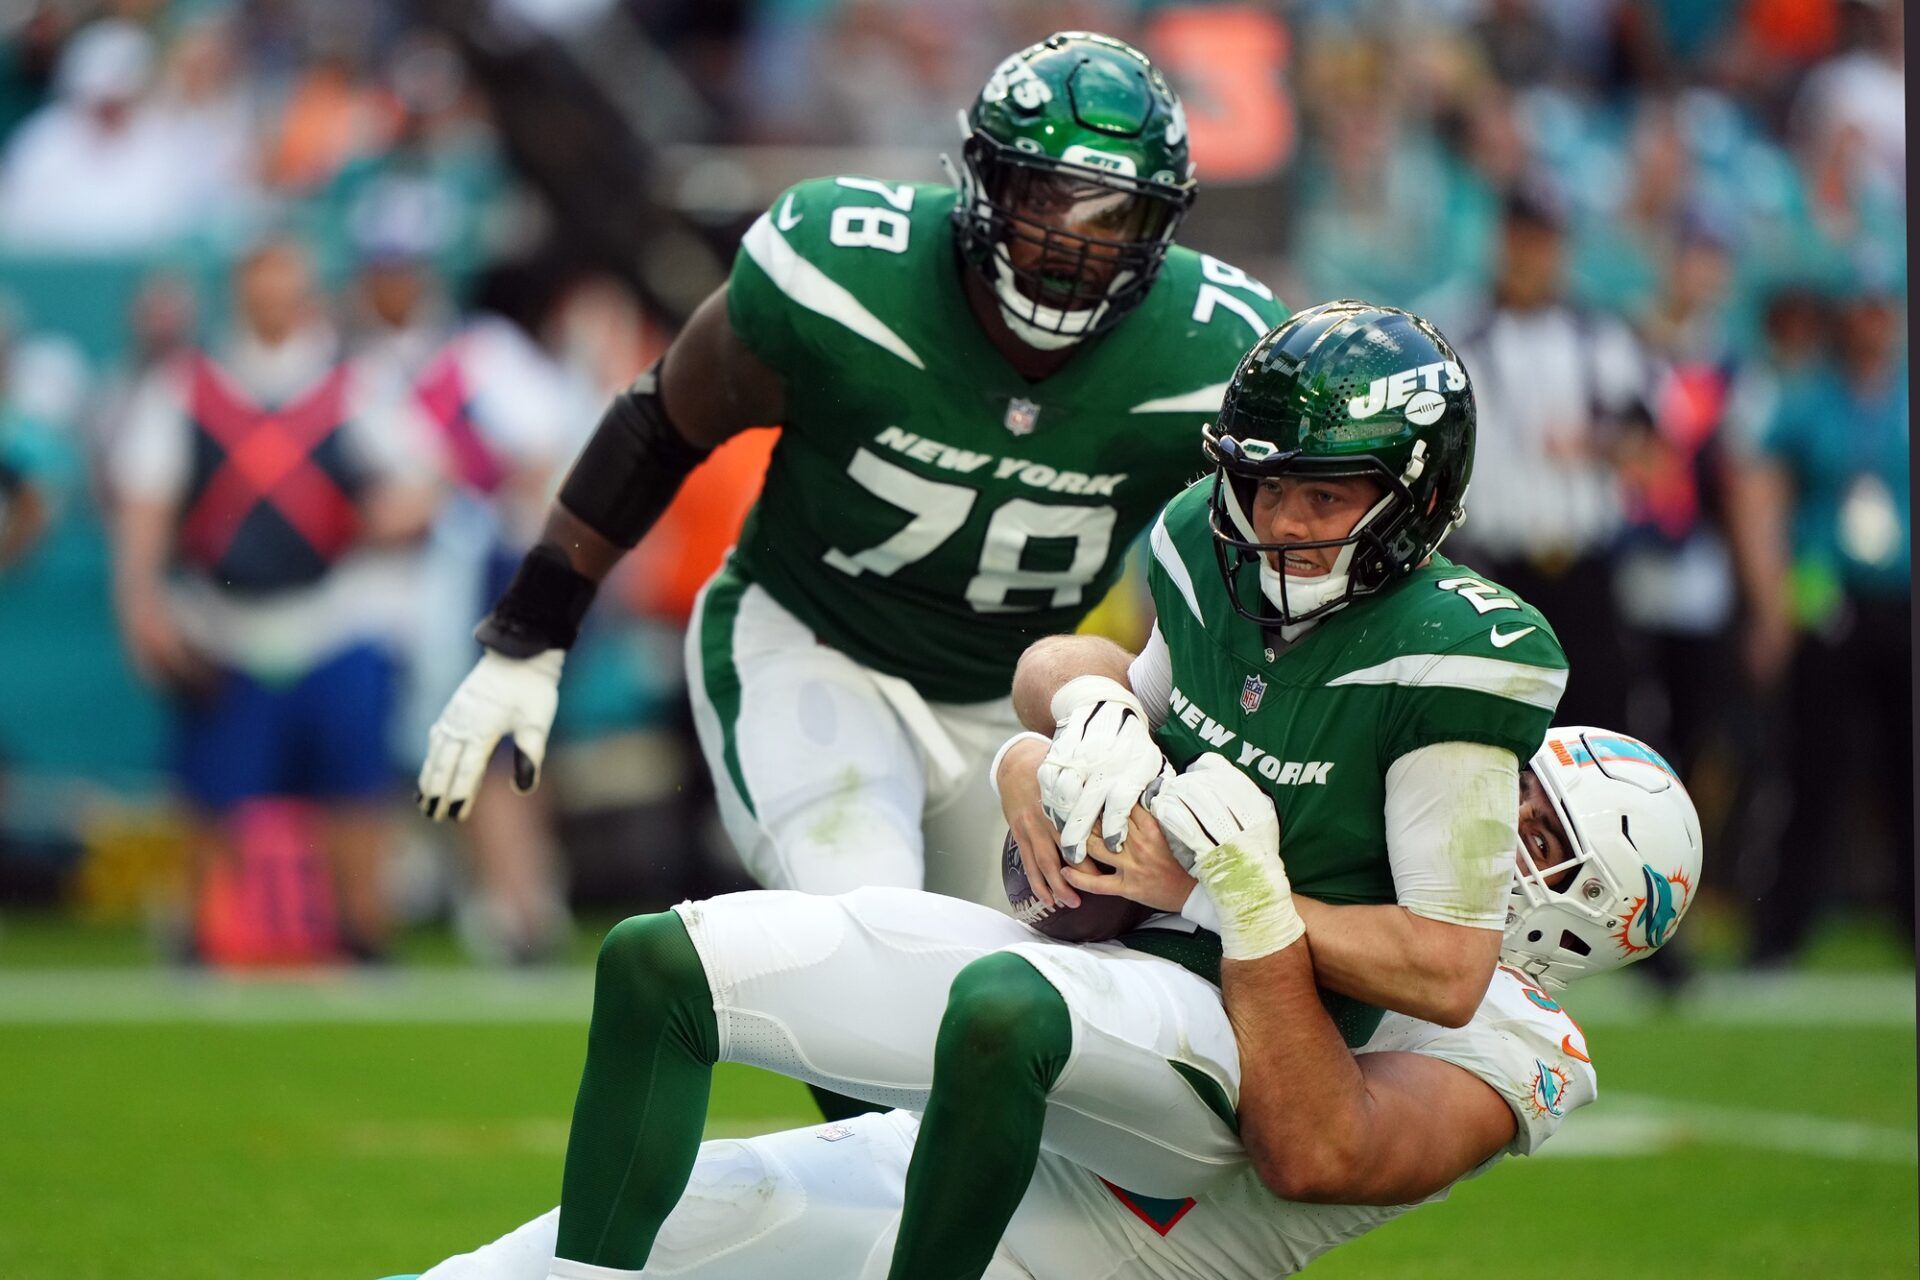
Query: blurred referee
{"points": [[1558, 390]]}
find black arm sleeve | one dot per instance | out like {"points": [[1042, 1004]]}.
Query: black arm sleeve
{"points": [[618, 487], [632, 467]]}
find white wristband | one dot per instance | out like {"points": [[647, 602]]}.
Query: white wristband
{"points": [[1252, 899], [1084, 691], [993, 770], [1199, 908]]}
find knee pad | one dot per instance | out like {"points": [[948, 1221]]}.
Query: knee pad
{"points": [[649, 962], [1003, 1016], [842, 840], [652, 951]]}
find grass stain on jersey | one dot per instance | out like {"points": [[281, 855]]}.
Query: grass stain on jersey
{"points": [[1481, 829]]}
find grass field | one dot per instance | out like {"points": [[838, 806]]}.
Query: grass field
{"points": [[348, 1128]]}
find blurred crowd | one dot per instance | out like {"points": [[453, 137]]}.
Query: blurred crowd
{"points": [[305, 269]]}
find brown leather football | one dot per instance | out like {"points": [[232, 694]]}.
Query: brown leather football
{"points": [[1097, 918]]}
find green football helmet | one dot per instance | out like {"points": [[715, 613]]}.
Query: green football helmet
{"points": [[1342, 389], [1074, 175]]}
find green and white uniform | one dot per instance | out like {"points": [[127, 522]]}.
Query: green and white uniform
{"points": [[826, 1200], [1347, 726], [927, 514]]}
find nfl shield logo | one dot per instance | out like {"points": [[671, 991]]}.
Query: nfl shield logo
{"points": [[1250, 694], [1021, 415]]}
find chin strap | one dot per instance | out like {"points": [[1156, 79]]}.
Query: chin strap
{"points": [[1026, 327]]}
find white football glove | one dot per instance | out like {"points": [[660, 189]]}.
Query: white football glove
{"points": [[1223, 824], [500, 697], [1102, 762]]}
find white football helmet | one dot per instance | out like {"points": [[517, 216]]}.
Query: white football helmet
{"points": [[1635, 841]]}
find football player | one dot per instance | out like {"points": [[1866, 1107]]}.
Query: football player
{"points": [[986, 393], [1405, 693], [1609, 855]]}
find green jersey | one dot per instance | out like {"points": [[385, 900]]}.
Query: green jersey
{"points": [[928, 511], [1442, 655]]}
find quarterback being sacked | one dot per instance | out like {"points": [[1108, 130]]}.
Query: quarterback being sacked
{"points": [[828, 1201], [986, 394], [1324, 673]]}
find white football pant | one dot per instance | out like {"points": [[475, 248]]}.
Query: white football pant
{"points": [[831, 776], [824, 1204], [847, 993]]}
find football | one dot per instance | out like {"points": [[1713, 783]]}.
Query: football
{"points": [[1096, 919]]}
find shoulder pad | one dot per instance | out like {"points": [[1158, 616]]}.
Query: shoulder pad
{"points": [[807, 215], [1182, 555], [842, 250], [1449, 608]]}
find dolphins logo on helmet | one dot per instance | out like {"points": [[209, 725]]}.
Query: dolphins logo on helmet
{"points": [[1655, 913]]}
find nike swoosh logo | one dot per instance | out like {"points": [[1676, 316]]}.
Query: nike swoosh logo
{"points": [[1566, 1047], [787, 219], [1502, 641]]}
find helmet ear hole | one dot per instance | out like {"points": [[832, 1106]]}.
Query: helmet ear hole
{"points": [[1570, 941]]}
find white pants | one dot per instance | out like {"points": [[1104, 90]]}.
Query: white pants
{"points": [[848, 992], [824, 1204], [831, 776]]}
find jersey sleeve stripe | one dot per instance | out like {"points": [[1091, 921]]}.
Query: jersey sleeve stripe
{"points": [[1534, 686], [811, 288], [1205, 400], [1174, 567]]}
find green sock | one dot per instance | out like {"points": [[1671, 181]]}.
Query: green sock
{"points": [[643, 1095], [1004, 1040]]}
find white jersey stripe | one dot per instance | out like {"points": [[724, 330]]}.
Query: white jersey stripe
{"points": [[813, 289], [1535, 686], [1204, 400], [1169, 558]]}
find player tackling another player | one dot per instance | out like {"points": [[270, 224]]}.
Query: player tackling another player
{"points": [[1304, 619], [828, 1201], [986, 394], [1317, 668]]}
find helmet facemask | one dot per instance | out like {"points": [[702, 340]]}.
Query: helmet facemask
{"points": [[1056, 286], [1365, 558]]}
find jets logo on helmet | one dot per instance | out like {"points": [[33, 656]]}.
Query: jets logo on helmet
{"points": [[1636, 853], [1309, 401], [1394, 392], [1054, 212]]}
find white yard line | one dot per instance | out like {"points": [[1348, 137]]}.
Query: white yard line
{"points": [[1640, 1125]]}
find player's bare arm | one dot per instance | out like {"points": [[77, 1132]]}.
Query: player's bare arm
{"points": [[1451, 827], [1316, 1126], [1016, 778], [1387, 955], [1324, 1126], [1050, 662], [707, 388]]}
